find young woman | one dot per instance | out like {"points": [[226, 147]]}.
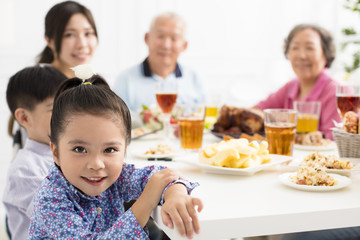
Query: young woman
{"points": [[71, 36]]}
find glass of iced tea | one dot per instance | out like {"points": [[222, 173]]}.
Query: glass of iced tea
{"points": [[280, 129], [348, 99], [308, 116], [166, 95], [191, 126]]}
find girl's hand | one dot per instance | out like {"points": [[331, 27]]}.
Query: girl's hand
{"points": [[151, 195], [179, 209]]}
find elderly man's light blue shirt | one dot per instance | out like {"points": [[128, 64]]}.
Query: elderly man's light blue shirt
{"points": [[136, 86]]}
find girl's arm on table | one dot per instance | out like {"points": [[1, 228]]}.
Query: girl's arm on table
{"points": [[178, 207], [152, 193], [179, 210]]}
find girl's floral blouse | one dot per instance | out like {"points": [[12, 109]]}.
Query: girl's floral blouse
{"points": [[63, 212]]}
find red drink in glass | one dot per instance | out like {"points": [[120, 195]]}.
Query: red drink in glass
{"points": [[348, 103], [166, 101]]}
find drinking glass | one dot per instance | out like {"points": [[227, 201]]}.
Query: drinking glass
{"points": [[348, 99], [166, 95], [211, 111], [308, 116], [191, 126], [280, 129]]}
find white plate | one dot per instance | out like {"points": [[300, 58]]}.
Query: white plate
{"points": [[140, 153], [146, 156], [331, 146], [275, 159], [341, 183], [346, 172]]}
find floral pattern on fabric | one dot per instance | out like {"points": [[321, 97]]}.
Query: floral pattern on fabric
{"points": [[63, 212]]}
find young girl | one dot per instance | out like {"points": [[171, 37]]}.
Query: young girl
{"points": [[83, 195]]}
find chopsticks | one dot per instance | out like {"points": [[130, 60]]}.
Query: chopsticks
{"points": [[160, 159]]}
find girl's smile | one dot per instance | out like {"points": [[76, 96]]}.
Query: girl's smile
{"points": [[95, 181]]}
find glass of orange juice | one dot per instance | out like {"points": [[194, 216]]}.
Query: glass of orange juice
{"points": [[211, 114], [280, 129], [211, 111], [308, 116], [191, 126]]}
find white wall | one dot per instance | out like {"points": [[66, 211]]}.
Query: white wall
{"points": [[235, 44]]}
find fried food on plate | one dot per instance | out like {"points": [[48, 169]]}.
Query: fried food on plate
{"points": [[235, 153]]}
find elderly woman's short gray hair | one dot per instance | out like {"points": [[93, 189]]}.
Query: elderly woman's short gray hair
{"points": [[327, 42]]}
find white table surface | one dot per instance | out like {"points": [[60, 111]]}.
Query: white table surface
{"points": [[243, 206]]}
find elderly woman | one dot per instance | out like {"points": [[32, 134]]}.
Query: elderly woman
{"points": [[311, 51]]}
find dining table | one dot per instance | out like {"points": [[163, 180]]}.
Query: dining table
{"points": [[246, 205]]}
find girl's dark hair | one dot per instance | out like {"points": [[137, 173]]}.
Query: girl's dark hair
{"points": [[76, 97], [55, 22], [327, 42], [30, 86]]}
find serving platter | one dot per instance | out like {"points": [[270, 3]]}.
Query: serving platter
{"points": [[275, 159]]}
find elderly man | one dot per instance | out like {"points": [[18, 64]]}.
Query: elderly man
{"points": [[165, 41]]}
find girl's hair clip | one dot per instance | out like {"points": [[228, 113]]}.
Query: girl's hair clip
{"points": [[87, 83], [83, 72]]}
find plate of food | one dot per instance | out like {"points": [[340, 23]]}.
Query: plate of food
{"points": [[315, 180], [329, 162], [248, 136], [275, 159], [237, 157], [313, 141], [234, 122], [222, 134], [142, 132], [161, 151]]}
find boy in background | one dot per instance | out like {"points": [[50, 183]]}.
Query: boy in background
{"points": [[30, 95]]}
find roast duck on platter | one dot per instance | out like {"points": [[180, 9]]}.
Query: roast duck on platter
{"points": [[235, 121]]}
